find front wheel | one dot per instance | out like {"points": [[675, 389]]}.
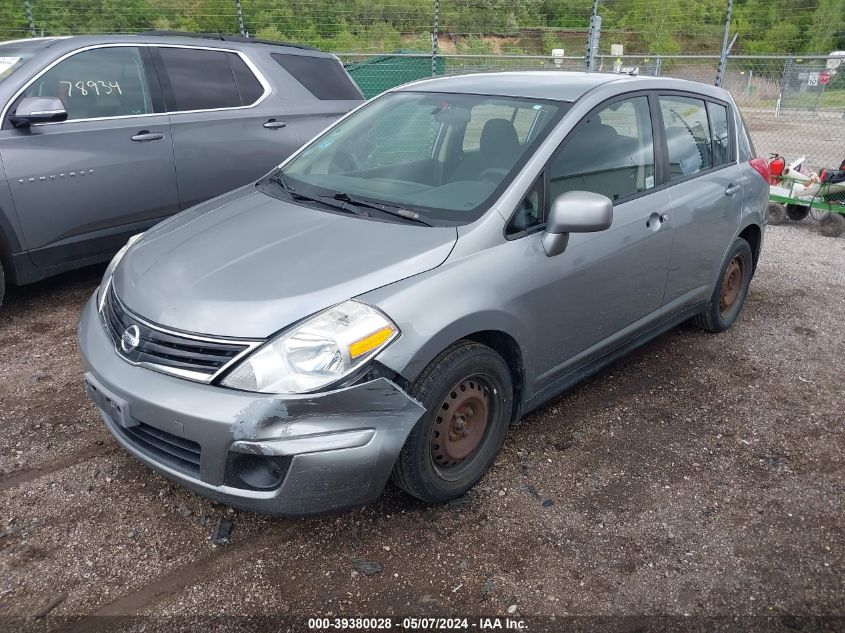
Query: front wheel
{"points": [[729, 295], [467, 392]]}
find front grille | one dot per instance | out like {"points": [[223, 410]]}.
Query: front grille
{"points": [[197, 359], [165, 447]]}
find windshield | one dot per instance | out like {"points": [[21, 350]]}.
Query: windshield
{"points": [[442, 155], [12, 58]]}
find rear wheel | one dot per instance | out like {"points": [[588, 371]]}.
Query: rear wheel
{"points": [[797, 212], [777, 213], [729, 295], [833, 225], [468, 395]]}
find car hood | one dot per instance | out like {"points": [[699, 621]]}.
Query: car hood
{"points": [[247, 264]]}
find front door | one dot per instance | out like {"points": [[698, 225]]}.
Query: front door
{"points": [[82, 186], [606, 286]]}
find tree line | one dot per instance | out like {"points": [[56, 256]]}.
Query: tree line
{"points": [[477, 26]]}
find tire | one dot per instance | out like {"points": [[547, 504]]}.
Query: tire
{"points": [[797, 212], [473, 379], [731, 289], [777, 213], [833, 225], [2, 284]]}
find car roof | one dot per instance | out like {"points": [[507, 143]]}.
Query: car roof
{"points": [[179, 38], [554, 85]]}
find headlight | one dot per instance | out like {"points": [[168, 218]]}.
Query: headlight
{"points": [[317, 352], [104, 284]]}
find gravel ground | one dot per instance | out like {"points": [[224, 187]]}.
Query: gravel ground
{"points": [[703, 475]]}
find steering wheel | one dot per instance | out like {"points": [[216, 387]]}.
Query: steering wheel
{"points": [[493, 175]]}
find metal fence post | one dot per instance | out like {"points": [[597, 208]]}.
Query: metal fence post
{"points": [[434, 37], [723, 60], [593, 36], [784, 81], [28, 9], [657, 64], [240, 17]]}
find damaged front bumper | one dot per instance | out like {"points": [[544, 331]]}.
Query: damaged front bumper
{"points": [[291, 455]]}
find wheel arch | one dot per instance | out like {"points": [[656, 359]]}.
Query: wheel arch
{"points": [[753, 234], [409, 360]]}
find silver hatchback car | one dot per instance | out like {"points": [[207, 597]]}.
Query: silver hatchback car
{"points": [[408, 285]]}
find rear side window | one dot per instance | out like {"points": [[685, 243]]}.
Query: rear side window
{"points": [[248, 84], [721, 150], [323, 77], [200, 79], [687, 135], [98, 83]]}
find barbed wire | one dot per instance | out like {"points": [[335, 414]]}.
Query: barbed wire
{"points": [[465, 26]]}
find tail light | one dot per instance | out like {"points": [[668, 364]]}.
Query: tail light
{"points": [[762, 167]]}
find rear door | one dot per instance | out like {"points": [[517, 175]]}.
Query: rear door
{"points": [[229, 127], [82, 186], [704, 183]]}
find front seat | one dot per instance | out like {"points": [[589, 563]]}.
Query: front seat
{"points": [[498, 148]]}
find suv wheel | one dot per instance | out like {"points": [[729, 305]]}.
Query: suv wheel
{"points": [[468, 395], [729, 295]]}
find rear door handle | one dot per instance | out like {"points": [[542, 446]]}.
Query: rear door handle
{"points": [[146, 135], [273, 124], [731, 190]]}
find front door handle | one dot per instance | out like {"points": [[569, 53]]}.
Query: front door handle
{"points": [[731, 190], [273, 124], [656, 220], [146, 135]]}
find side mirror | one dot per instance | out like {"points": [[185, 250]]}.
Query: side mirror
{"points": [[575, 212], [38, 110]]}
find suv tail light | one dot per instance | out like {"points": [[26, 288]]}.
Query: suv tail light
{"points": [[761, 167]]}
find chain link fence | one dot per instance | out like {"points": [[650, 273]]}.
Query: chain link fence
{"points": [[794, 105]]}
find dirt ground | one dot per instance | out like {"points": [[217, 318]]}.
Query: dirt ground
{"points": [[702, 476]]}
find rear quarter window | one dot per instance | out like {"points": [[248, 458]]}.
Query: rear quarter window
{"points": [[323, 77]]}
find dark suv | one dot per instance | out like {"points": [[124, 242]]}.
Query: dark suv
{"points": [[103, 136]]}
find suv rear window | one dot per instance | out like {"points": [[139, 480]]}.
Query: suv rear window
{"points": [[204, 80], [323, 77]]}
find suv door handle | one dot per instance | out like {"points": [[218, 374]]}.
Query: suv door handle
{"points": [[731, 190], [273, 124], [146, 135]]}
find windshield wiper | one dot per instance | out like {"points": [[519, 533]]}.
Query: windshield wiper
{"points": [[399, 212], [324, 200]]}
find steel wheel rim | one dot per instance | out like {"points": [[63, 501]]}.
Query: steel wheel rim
{"points": [[461, 424], [731, 284]]}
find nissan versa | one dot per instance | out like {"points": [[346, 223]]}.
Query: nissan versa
{"points": [[400, 291]]}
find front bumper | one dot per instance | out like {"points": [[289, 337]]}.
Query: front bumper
{"points": [[334, 450]]}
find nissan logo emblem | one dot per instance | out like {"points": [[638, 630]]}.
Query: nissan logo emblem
{"points": [[130, 339]]}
